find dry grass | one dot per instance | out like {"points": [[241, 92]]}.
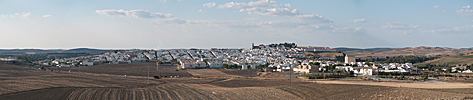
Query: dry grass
{"points": [[451, 60]]}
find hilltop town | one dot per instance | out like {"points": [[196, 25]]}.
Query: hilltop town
{"points": [[284, 68], [268, 58]]}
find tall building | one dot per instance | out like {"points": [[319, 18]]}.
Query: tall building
{"points": [[349, 59]]}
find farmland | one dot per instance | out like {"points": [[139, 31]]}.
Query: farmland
{"points": [[109, 83], [468, 59]]}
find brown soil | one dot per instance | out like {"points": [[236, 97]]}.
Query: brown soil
{"points": [[136, 69], [47, 85]]}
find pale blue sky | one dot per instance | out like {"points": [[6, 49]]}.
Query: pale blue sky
{"points": [[162, 24]]}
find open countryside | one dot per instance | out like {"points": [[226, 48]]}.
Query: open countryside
{"points": [[236, 50], [266, 71]]}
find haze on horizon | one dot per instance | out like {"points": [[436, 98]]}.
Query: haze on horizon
{"points": [[164, 24]]}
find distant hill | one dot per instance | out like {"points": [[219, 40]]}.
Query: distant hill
{"points": [[453, 60], [468, 48], [352, 50], [416, 51], [41, 51]]}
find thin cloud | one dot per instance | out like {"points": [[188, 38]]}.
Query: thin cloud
{"points": [[26, 14], [466, 7], [133, 13], [209, 5], [272, 11], [261, 3], [47, 16], [358, 21], [399, 26], [465, 12]]}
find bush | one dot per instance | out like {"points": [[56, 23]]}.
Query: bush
{"points": [[157, 77], [177, 69], [424, 77]]}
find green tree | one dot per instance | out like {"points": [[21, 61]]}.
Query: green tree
{"points": [[234, 66], [449, 69], [369, 64], [352, 73], [160, 62], [225, 65]]}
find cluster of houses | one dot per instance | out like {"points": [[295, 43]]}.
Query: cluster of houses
{"points": [[112, 57], [275, 58], [243, 58], [459, 68], [8, 59], [360, 68]]}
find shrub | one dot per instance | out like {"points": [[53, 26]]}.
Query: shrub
{"points": [[157, 77], [424, 77]]}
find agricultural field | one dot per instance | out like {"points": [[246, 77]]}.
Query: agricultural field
{"points": [[468, 59], [109, 83], [135, 69], [141, 69]]}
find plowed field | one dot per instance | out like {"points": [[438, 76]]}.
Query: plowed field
{"points": [[25, 83]]}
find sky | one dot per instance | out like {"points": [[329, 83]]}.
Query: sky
{"points": [[167, 24]]}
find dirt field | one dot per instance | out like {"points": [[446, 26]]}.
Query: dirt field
{"points": [[136, 69], [141, 69], [468, 59], [25, 83], [427, 85]]}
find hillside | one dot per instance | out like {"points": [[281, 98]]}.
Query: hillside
{"points": [[323, 54], [468, 59], [353, 50], [416, 51], [41, 51]]}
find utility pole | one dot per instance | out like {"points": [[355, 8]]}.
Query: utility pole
{"points": [[290, 76], [148, 74], [79, 70], [248, 77]]}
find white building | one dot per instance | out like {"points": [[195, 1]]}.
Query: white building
{"points": [[87, 63], [190, 64]]}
